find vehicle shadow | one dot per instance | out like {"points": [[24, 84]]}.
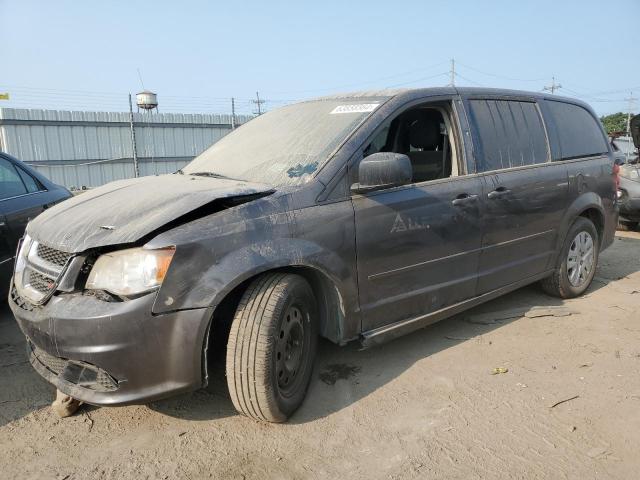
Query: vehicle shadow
{"points": [[345, 375]]}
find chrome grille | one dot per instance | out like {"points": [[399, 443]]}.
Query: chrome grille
{"points": [[38, 270], [40, 282], [52, 255]]}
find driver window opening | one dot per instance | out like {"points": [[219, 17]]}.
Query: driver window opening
{"points": [[425, 135]]}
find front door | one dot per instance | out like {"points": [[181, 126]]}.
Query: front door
{"points": [[418, 245], [417, 249]]}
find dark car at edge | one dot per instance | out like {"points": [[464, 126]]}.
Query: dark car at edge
{"points": [[353, 217], [24, 194], [629, 189]]}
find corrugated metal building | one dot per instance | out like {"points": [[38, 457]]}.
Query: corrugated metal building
{"points": [[78, 149]]}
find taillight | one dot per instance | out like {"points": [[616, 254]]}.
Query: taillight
{"points": [[616, 175]]}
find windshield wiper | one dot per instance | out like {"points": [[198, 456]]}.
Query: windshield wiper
{"points": [[208, 174]]}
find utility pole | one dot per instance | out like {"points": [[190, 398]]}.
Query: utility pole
{"points": [[452, 73], [553, 87], [233, 113], [136, 171], [631, 101], [258, 102]]}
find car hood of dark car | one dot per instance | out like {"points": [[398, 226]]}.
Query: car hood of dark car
{"points": [[123, 212]]}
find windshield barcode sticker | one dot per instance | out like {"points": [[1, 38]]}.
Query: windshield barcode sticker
{"points": [[357, 108]]}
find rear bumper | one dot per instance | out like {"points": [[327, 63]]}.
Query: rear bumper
{"points": [[114, 353]]}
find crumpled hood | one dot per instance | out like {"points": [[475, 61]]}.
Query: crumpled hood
{"points": [[127, 210]]}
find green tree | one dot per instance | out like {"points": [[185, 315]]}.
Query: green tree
{"points": [[616, 122]]}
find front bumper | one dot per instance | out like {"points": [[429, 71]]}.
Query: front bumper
{"points": [[114, 353]]}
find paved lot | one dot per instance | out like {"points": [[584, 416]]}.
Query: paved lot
{"points": [[424, 406]]}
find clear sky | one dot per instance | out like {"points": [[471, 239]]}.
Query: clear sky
{"points": [[197, 54]]}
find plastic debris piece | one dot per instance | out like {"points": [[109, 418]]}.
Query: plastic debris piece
{"points": [[498, 370]]}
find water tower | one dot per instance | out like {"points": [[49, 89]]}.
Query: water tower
{"points": [[147, 101]]}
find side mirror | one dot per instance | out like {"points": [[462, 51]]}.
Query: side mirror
{"points": [[383, 170]]}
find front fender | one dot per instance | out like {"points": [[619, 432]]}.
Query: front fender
{"points": [[196, 285]]}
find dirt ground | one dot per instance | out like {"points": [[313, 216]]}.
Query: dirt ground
{"points": [[424, 406]]}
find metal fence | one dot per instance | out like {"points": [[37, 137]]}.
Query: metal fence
{"points": [[88, 149]]}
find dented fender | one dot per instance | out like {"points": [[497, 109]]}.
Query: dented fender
{"points": [[217, 253]]}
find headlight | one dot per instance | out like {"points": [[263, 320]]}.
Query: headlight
{"points": [[130, 272], [23, 253]]}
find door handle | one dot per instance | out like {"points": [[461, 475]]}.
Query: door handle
{"points": [[498, 192], [463, 198]]}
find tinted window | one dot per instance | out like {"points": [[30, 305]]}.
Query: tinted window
{"points": [[10, 182], [507, 134], [578, 132], [31, 183]]}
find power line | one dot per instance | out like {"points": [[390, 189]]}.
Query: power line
{"points": [[469, 80], [418, 80], [368, 82], [500, 76]]}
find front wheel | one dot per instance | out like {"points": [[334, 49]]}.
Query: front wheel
{"points": [[576, 264], [272, 346]]}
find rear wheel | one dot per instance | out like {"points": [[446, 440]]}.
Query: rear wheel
{"points": [[271, 347], [576, 264]]}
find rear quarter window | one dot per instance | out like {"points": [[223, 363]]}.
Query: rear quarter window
{"points": [[578, 132], [11, 184], [32, 184], [507, 134]]}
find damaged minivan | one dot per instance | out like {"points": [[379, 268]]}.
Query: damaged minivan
{"points": [[354, 217]]}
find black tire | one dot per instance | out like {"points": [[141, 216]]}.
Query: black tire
{"points": [[272, 347], [629, 226], [559, 284]]}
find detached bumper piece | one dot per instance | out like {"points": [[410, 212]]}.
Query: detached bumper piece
{"points": [[81, 374]]}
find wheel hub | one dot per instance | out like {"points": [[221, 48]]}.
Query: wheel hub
{"points": [[289, 348], [580, 259]]}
